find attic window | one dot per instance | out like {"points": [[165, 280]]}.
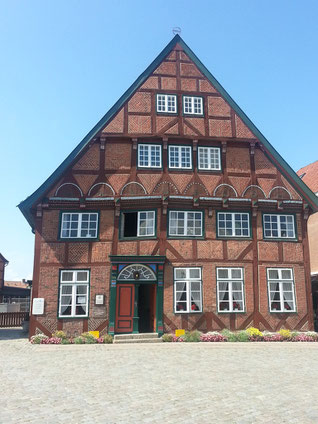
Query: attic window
{"points": [[192, 105], [166, 103]]}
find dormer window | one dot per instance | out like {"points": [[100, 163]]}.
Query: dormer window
{"points": [[192, 105], [166, 103]]}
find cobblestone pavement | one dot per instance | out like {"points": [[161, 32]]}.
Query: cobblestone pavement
{"points": [[157, 383]]}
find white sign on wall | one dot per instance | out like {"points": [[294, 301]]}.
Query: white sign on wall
{"points": [[99, 299], [38, 306]]}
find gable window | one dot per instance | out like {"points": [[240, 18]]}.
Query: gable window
{"points": [[233, 224], [185, 224], [138, 224], [180, 157], [167, 103], [281, 290], [192, 105], [279, 226], [209, 158], [187, 290], [230, 289], [79, 225], [149, 156], [73, 301]]}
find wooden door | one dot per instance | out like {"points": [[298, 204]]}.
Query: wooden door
{"points": [[125, 308]]}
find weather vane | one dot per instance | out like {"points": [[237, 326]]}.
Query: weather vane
{"points": [[176, 30]]}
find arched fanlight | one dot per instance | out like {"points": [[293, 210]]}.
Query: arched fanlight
{"points": [[137, 272]]}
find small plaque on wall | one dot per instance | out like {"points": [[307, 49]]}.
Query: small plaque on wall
{"points": [[38, 306], [99, 299]]}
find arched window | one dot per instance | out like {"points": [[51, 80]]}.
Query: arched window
{"points": [[137, 272]]}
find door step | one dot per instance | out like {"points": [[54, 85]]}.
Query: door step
{"points": [[137, 338]]}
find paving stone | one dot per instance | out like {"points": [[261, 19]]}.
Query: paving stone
{"points": [[157, 383]]}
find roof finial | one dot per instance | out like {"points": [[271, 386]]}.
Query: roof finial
{"points": [[176, 30]]}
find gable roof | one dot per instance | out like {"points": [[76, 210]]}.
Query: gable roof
{"points": [[3, 259], [28, 203], [309, 175]]}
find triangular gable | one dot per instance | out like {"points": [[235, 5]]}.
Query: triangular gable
{"points": [[113, 118]]}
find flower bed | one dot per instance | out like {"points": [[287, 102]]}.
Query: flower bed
{"points": [[59, 337], [250, 335]]}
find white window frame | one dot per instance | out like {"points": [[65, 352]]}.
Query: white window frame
{"points": [[209, 149], [280, 281], [179, 148], [233, 235], [139, 227], [74, 284], [185, 224], [79, 226], [167, 98], [279, 227], [149, 148], [188, 290], [192, 100], [229, 280]]}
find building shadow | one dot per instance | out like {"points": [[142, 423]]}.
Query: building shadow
{"points": [[12, 334]]}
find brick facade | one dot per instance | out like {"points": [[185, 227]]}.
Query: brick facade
{"points": [[249, 181]]}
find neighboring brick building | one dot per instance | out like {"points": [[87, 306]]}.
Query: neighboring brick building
{"points": [[3, 263], [173, 212], [309, 174]]}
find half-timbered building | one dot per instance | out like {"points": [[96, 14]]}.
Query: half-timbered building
{"points": [[173, 212]]}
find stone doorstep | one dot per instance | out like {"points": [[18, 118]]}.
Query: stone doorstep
{"points": [[148, 340], [135, 336]]}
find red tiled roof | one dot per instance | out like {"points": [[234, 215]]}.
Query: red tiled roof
{"points": [[309, 175], [17, 284]]}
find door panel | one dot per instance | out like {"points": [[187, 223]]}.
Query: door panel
{"points": [[125, 308]]}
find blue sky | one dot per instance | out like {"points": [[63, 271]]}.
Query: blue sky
{"points": [[65, 63]]}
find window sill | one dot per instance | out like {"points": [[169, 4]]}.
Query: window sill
{"points": [[231, 312], [283, 312], [66, 239], [138, 238], [280, 239], [185, 238], [79, 317], [186, 312], [234, 238]]}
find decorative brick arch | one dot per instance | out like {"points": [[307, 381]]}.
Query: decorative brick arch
{"points": [[133, 188], [70, 190], [196, 189], [254, 192], [279, 193], [101, 190], [225, 190], [165, 188]]}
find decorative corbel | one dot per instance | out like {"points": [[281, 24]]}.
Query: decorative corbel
{"points": [[45, 203], [224, 145], [39, 211], [306, 211], [165, 204], [135, 141], [280, 205], [195, 145], [196, 201], [102, 143], [117, 206], [210, 212], [252, 148], [254, 208], [165, 143], [82, 203], [225, 203]]}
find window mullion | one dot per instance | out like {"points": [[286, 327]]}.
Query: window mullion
{"points": [[233, 224], [73, 299], [281, 296], [188, 296], [79, 225], [185, 224], [230, 296]]}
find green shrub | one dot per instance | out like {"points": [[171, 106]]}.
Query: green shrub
{"points": [[108, 339], [65, 341], [79, 340], [192, 336], [89, 338], [242, 336], [37, 338], [60, 335], [231, 337], [167, 337]]}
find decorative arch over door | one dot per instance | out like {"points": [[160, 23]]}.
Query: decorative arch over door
{"points": [[136, 272]]}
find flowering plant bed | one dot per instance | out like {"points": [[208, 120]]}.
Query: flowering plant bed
{"points": [[59, 337], [250, 335]]}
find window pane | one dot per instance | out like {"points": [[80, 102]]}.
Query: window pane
{"points": [[67, 276], [273, 274], [80, 310], [180, 273], [236, 273], [223, 273], [66, 310], [66, 289], [195, 273], [286, 274]]}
